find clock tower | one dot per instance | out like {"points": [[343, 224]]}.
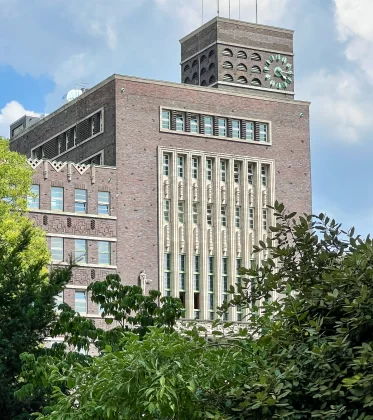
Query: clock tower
{"points": [[239, 56]]}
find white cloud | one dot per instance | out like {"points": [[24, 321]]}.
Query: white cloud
{"points": [[339, 104], [10, 113]]}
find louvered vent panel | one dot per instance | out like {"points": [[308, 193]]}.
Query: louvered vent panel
{"points": [[51, 148], [38, 153], [96, 160], [173, 120], [229, 127], [187, 122], [257, 131], [62, 142], [243, 129], [83, 131], [70, 138], [202, 124], [216, 126]]}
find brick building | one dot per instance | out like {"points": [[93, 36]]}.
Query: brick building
{"points": [[174, 179]]}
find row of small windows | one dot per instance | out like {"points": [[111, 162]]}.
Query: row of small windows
{"points": [[72, 137], [209, 214], [241, 67], [81, 251], [80, 200], [237, 169], [241, 79], [241, 54], [215, 126], [202, 59], [211, 305]]}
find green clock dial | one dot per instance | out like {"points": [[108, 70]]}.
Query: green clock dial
{"points": [[278, 72]]}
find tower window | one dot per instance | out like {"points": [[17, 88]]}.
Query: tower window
{"points": [[180, 209], [203, 71], [255, 57], [250, 173], [211, 53], [195, 63], [242, 80], [251, 217], [166, 210], [196, 272], [265, 219], [182, 271], [264, 175], [57, 198], [227, 65], [195, 213], [57, 249], [166, 119], [186, 68], [211, 66], [241, 54], [227, 78], [80, 201], [203, 58], [81, 251], [241, 67], [167, 274], [33, 200], [80, 301], [237, 213], [187, 80], [236, 172], [195, 78], [103, 202], [212, 80], [227, 52], [104, 252], [256, 82], [255, 69]]}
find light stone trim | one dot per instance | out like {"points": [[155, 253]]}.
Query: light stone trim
{"points": [[232, 232], [88, 265], [90, 238], [207, 136], [65, 213], [284, 92]]}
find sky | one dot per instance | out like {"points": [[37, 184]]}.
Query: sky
{"points": [[49, 47]]}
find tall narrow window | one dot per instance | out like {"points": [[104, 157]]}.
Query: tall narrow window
{"points": [[237, 212], [182, 271], [224, 278], [81, 301], [210, 287], [57, 198], [263, 132], [104, 253], [180, 208], [166, 119], [194, 124], [180, 166], [196, 272], [250, 173], [236, 129], [208, 125], [222, 127], [103, 202], [194, 168], [33, 200], [265, 226], [264, 175], [236, 172], [209, 169], [81, 251], [180, 122], [239, 283], [166, 164], [209, 214], [195, 213], [249, 130], [251, 218], [57, 249], [166, 210], [223, 170], [223, 217], [80, 201], [167, 274]]}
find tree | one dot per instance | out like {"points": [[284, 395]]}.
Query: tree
{"points": [[307, 354]]}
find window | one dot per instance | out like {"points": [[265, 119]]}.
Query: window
{"points": [[241, 67], [104, 253], [249, 130], [80, 301], [57, 198], [210, 273], [57, 249], [236, 172], [227, 65], [166, 210], [264, 175], [222, 125], [255, 69], [180, 166], [33, 200], [80, 201], [239, 282], [227, 52], [265, 219], [251, 218], [103, 202], [211, 53], [210, 302], [211, 66], [242, 80], [209, 214], [194, 168], [194, 124], [196, 272], [166, 163], [209, 169], [236, 129], [224, 278], [166, 119], [167, 274], [255, 57], [223, 170], [212, 80], [256, 82], [223, 216], [208, 125], [81, 251], [181, 271], [195, 213], [203, 71], [241, 54], [180, 209], [180, 125], [203, 58], [227, 78], [237, 212], [263, 132], [250, 173]]}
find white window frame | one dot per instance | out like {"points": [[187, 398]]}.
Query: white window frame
{"points": [[236, 129], [264, 175], [251, 218], [223, 216], [209, 214], [104, 251], [180, 122], [250, 173], [222, 127], [167, 265], [103, 204], [237, 216], [209, 169], [182, 272], [195, 213], [79, 248], [166, 164], [236, 172], [249, 131], [180, 166], [223, 171], [166, 119], [263, 132], [195, 167], [80, 200], [57, 199], [208, 122], [265, 221], [194, 124], [181, 211], [57, 247], [196, 273]]}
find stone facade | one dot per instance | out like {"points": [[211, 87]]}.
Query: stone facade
{"points": [[135, 139]]}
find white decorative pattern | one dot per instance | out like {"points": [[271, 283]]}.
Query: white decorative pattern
{"points": [[34, 163]]}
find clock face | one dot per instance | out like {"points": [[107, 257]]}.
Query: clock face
{"points": [[278, 72]]}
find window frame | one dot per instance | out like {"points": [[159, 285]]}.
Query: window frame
{"points": [[57, 199], [59, 247], [80, 201], [166, 120], [195, 213], [195, 167], [208, 126], [223, 170], [106, 252], [85, 254], [180, 166], [167, 270], [166, 210], [209, 214], [85, 300], [166, 164], [223, 216], [182, 272], [180, 122], [236, 130], [237, 216], [250, 132], [181, 211], [222, 128], [194, 124], [33, 200], [102, 204], [209, 169]]}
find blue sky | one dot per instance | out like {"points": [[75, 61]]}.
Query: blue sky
{"points": [[49, 47]]}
